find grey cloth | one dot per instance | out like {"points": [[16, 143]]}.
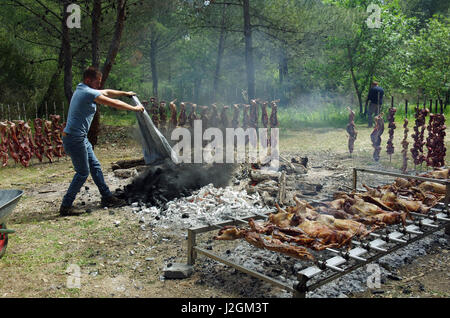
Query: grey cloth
{"points": [[154, 144]]}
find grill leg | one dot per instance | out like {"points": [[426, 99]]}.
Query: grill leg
{"points": [[191, 244]]}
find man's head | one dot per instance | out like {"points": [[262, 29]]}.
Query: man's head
{"points": [[374, 84], [92, 77]]}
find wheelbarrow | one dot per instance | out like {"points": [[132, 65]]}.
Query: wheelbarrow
{"points": [[8, 201]]}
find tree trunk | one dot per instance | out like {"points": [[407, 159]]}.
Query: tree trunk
{"points": [[355, 82], [283, 74], [112, 53], [153, 53], [220, 51], [249, 51], [52, 86], [67, 52], [96, 14]]}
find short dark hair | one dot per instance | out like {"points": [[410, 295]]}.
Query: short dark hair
{"points": [[91, 73]]}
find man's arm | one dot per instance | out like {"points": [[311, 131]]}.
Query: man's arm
{"points": [[102, 99], [111, 93]]}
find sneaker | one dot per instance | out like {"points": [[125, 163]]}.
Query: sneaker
{"points": [[65, 210], [112, 202]]}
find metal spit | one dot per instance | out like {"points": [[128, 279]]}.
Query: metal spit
{"points": [[366, 251]]}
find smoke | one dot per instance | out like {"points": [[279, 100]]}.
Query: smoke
{"points": [[165, 182]]}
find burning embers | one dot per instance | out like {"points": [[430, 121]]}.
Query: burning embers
{"points": [[336, 223], [162, 183]]}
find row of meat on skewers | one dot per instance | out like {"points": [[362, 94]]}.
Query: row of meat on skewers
{"points": [[211, 116], [295, 230], [18, 141], [434, 144]]}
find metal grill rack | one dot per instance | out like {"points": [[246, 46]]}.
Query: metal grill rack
{"points": [[365, 251]]}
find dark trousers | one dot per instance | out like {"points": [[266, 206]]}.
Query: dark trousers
{"points": [[84, 162], [372, 112]]}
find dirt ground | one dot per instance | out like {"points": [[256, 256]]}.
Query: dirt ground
{"points": [[117, 258]]}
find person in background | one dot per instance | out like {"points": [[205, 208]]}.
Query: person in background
{"points": [[375, 97], [76, 144]]}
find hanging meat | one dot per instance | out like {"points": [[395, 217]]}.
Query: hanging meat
{"points": [[405, 145], [375, 136], [14, 146], [214, 120], [154, 111], [173, 116], [435, 141], [391, 119], [192, 115], [224, 117], [236, 111], [48, 138], [4, 143], [253, 120], [204, 117], [162, 117], [39, 148], [182, 118], [58, 149], [246, 116], [23, 150], [264, 116], [418, 136], [274, 114], [352, 134]]}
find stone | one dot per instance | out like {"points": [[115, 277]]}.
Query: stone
{"points": [[178, 271]]}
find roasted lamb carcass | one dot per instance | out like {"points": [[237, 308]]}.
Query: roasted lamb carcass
{"points": [[224, 117], [4, 143], [253, 121], [182, 118], [192, 115], [214, 118], [264, 116], [236, 111], [14, 146], [246, 116], [274, 114], [258, 240], [39, 148], [173, 116]]}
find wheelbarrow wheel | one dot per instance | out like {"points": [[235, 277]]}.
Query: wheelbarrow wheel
{"points": [[3, 240]]}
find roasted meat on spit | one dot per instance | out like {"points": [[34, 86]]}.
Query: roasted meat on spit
{"points": [[375, 136], [236, 111], [418, 136], [405, 145], [224, 117], [391, 119], [274, 114], [182, 118], [352, 134], [435, 141], [264, 116], [173, 116], [192, 115]]}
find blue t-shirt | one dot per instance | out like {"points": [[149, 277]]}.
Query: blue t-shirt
{"points": [[82, 110]]}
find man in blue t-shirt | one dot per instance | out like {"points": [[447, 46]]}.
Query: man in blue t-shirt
{"points": [[76, 144], [375, 97]]}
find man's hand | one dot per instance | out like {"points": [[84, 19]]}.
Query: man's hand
{"points": [[139, 109], [130, 94]]}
